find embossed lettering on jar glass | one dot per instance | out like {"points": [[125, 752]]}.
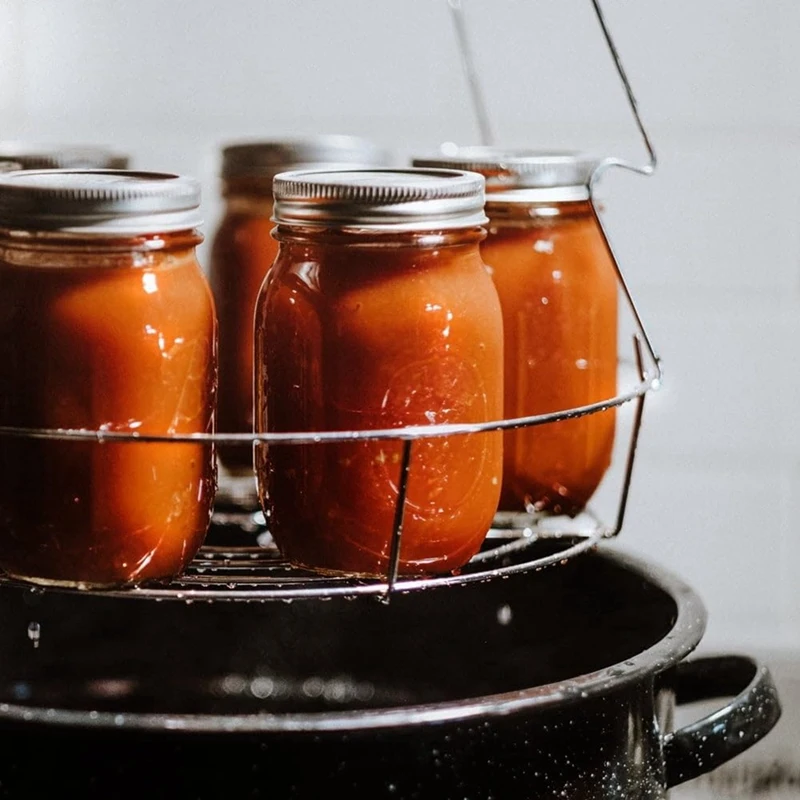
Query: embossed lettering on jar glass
{"points": [[243, 250], [106, 324], [558, 292], [378, 313]]}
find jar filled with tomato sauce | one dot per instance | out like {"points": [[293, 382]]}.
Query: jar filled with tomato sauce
{"points": [[242, 251], [378, 313], [558, 291], [106, 324]]}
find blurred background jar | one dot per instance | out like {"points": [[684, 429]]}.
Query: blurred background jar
{"points": [[40, 155], [242, 251], [378, 313], [558, 292], [106, 324]]}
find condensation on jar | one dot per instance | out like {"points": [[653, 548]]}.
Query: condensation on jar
{"points": [[106, 324], [379, 313], [242, 251], [558, 291]]}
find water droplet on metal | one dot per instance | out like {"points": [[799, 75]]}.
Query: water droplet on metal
{"points": [[34, 633]]}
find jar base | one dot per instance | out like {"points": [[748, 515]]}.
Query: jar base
{"points": [[405, 572], [546, 507], [360, 575], [50, 583], [81, 586]]}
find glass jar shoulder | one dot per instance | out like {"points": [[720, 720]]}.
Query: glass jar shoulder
{"points": [[333, 270], [567, 247], [530, 221], [242, 214], [106, 294], [242, 250], [399, 314], [243, 219]]}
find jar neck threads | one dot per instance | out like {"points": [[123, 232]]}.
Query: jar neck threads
{"points": [[48, 249]]}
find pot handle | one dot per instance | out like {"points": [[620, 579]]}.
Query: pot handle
{"points": [[710, 742]]}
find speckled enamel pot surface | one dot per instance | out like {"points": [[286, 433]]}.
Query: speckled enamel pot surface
{"points": [[558, 684]]}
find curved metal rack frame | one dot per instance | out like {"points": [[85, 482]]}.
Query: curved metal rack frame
{"points": [[258, 573]]}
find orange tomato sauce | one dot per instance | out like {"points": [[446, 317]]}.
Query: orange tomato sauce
{"points": [[558, 293], [358, 332], [243, 251], [107, 335]]}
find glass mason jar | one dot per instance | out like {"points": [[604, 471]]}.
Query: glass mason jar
{"points": [[40, 155], [378, 313], [243, 250], [558, 292], [106, 324]]}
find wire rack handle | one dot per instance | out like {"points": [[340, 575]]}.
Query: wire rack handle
{"points": [[477, 97]]}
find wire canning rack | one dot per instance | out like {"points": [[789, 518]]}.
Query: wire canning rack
{"points": [[257, 572]]}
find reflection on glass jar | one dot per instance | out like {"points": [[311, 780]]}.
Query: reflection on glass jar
{"points": [[379, 313], [106, 323], [558, 291], [243, 250]]}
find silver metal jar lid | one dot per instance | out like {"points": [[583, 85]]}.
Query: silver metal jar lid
{"points": [[267, 158], [33, 155], [523, 175], [380, 199], [109, 202]]}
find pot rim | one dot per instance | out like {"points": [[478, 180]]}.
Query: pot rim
{"points": [[682, 638]]}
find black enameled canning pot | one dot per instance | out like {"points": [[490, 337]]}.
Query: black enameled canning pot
{"points": [[552, 684]]}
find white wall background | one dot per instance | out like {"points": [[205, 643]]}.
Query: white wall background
{"points": [[710, 244]]}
